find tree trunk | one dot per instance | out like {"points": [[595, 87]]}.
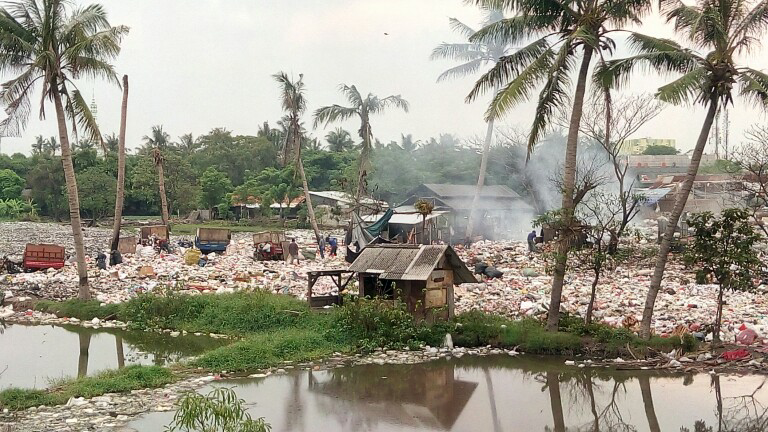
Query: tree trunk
{"points": [[120, 352], [677, 211], [492, 400], [588, 318], [650, 411], [120, 168], [718, 318], [569, 181], [480, 179], [310, 209], [365, 155], [161, 186], [72, 195]]}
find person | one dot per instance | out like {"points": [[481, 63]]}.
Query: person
{"points": [[293, 251], [321, 246], [334, 245], [101, 261], [532, 241]]}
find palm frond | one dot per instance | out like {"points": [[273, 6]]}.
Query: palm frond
{"points": [[511, 30], [85, 119], [333, 113], [553, 96], [510, 67], [689, 87], [461, 28], [15, 97], [462, 70], [396, 101], [352, 94], [754, 86], [457, 51], [751, 26]]}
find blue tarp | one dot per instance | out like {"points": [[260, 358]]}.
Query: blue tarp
{"points": [[652, 196]]}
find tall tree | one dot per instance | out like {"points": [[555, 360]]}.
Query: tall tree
{"points": [[120, 198], [562, 30], [362, 108], [719, 31], [157, 143], [474, 55], [49, 42], [188, 144], [294, 104], [339, 140]]}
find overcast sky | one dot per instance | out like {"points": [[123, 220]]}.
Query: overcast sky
{"points": [[196, 65]]}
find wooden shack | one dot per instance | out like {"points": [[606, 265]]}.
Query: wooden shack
{"points": [[159, 231], [127, 245], [422, 276]]}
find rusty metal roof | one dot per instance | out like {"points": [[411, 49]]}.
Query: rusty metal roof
{"points": [[409, 262]]}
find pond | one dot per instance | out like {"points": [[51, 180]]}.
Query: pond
{"points": [[498, 393], [31, 356]]}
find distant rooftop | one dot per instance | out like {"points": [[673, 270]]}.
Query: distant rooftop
{"points": [[454, 190]]}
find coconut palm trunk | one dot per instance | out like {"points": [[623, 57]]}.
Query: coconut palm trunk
{"points": [[569, 180], [72, 196], [677, 211], [161, 186], [310, 209], [480, 178], [365, 158], [120, 168], [650, 411]]}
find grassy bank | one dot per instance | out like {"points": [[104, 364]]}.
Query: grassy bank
{"points": [[190, 229], [277, 328], [113, 381]]}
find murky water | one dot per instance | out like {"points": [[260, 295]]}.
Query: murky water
{"points": [[499, 394], [32, 356]]}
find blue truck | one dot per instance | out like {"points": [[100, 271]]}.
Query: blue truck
{"points": [[212, 239]]}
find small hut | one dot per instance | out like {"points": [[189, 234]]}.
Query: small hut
{"points": [[422, 276]]}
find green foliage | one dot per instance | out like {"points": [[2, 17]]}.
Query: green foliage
{"points": [[723, 246], [214, 185], [237, 313], [81, 309], [11, 184], [220, 410], [112, 381], [659, 150], [96, 189], [377, 323]]}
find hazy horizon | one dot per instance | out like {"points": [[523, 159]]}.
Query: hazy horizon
{"points": [[195, 66]]}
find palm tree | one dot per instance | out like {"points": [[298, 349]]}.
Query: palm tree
{"points": [[294, 104], [112, 143], [561, 30], [157, 143], [120, 168], [38, 145], [362, 108], [473, 56], [188, 144], [408, 144], [719, 30], [49, 43], [339, 140]]}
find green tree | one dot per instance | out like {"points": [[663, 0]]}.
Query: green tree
{"points": [[474, 55], [157, 144], [339, 140], [51, 43], [362, 108], [294, 104], [188, 145], [723, 247], [97, 191], [215, 185], [561, 31], [11, 184], [720, 30], [660, 150]]}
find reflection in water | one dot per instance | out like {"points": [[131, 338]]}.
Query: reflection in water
{"points": [[520, 394], [39, 354]]}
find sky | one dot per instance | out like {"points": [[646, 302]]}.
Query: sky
{"points": [[197, 65]]}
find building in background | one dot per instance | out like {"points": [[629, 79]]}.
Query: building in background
{"points": [[637, 146]]}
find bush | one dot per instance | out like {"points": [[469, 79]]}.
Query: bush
{"points": [[478, 329], [16, 399]]}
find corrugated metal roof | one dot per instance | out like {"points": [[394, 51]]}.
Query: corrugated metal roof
{"points": [[454, 190], [409, 262]]}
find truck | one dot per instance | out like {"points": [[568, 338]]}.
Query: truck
{"points": [[269, 245], [43, 256], [212, 239]]}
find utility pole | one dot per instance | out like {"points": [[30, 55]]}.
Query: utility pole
{"points": [[726, 128]]}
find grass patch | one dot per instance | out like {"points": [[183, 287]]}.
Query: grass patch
{"points": [[271, 349], [80, 309], [113, 381], [191, 229], [237, 313]]}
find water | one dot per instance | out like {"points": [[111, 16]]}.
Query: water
{"points": [[497, 394], [32, 356]]}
